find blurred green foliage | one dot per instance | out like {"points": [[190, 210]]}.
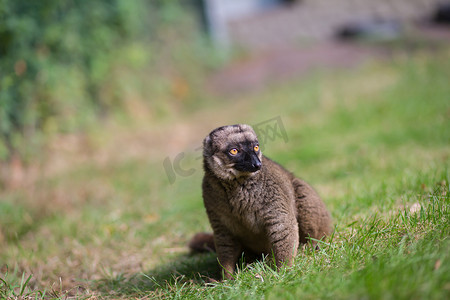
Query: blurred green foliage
{"points": [[64, 64]]}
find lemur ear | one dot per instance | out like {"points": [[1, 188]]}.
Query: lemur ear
{"points": [[207, 145]]}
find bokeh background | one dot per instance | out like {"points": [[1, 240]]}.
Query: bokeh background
{"points": [[104, 105]]}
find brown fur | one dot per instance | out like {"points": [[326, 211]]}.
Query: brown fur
{"points": [[254, 204], [202, 242]]}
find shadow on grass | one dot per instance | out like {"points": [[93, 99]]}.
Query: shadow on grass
{"points": [[197, 270]]}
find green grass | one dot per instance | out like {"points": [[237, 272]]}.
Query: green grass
{"points": [[374, 142]]}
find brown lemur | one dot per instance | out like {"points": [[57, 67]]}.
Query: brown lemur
{"points": [[254, 204]]}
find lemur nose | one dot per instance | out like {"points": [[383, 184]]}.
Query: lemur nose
{"points": [[256, 165]]}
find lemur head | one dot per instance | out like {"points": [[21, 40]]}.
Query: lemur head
{"points": [[232, 151]]}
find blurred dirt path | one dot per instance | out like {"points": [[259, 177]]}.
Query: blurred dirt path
{"points": [[255, 72]]}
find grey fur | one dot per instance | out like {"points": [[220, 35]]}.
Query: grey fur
{"points": [[256, 206]]}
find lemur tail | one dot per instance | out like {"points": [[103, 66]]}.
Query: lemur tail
{"points": [[202, 242]]}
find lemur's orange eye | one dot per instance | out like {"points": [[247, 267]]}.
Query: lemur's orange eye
{"points": [[256, 148], [233, 151]]}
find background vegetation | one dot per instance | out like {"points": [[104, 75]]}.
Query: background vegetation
{"points": [[96, 216], [64, 64]]}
